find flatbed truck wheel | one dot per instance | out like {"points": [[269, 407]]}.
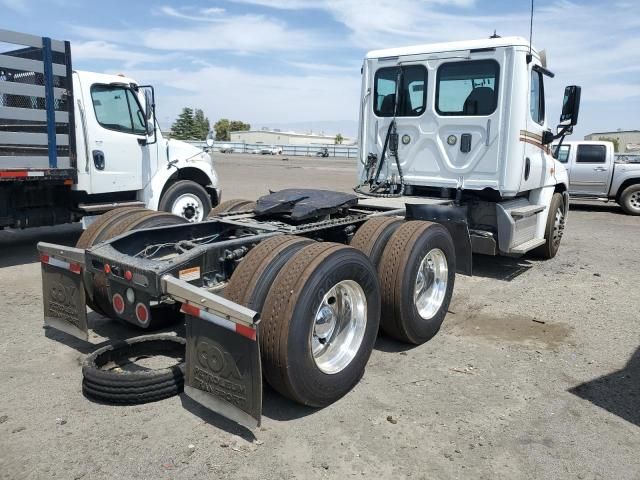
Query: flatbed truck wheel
{"points": [[417, 274], [186, 199], [237, 204], [253, 277], [373, 235], [554, 228], [319, 323]]}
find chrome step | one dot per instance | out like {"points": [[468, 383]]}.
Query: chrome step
{"points": [[527, 246], [525, 211]]}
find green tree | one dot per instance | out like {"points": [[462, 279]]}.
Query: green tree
{"points": [[339, 139], [201, 125], [615, 141], [183, 127], [224, 127]]}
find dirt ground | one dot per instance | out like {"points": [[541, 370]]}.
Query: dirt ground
{"points": [[535, 374]]}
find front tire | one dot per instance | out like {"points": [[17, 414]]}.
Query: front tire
{"points": [[554, 228], [319, 323], [186, 199], [630, 200]]}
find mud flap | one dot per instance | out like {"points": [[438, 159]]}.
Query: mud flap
{"points": [[62, 289], [223, 370]]}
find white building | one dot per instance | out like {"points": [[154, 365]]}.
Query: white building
{"points": [[628, 140], [277, 137]]}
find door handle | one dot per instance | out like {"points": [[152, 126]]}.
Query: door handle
{"points": [[465, 142], [98, 159], [600, 169]]}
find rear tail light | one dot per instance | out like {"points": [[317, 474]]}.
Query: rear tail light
{"points": [[118, 304], [128, 275], [142, 314], [107, 268]]}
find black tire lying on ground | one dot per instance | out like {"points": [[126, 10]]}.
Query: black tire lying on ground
{"points": [[110, 376], [318, 278], [235, 205]]}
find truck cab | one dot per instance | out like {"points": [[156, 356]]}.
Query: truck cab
{"points": [[466, 121], [75, 144]]}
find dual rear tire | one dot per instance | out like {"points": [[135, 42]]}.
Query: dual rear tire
{"points": [[322, 304]]}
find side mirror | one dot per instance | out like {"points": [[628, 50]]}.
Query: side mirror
{"points": [[148, 104], [210, 140], [563, 130], [570, 106]]}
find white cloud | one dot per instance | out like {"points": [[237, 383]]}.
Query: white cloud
{"points": [[201, 15], [100, 50], [257, 98], [18, 6]]}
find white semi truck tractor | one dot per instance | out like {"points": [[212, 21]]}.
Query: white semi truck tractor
{"points": [[76, 144], [294, 288]]}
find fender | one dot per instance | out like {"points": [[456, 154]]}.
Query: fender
{"points": [[176, 156]]}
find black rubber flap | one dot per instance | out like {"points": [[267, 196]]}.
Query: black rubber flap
{"points": [[302, 203], [223, 371]]}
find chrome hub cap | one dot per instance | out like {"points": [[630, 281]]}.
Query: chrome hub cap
{"points": [[634, 200], [188, 206], [431, 283], [338, 326]]}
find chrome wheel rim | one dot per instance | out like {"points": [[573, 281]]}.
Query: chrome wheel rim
{"points": [[634, 200], [558, 227], [188, 206], [338, 327], [431, 283]]}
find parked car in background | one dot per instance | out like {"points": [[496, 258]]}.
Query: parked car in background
{"points": [[226, 148], [271, 150], [595, 172], [254, 151]]}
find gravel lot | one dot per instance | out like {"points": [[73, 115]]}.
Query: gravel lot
{"points": [[535, 374]]}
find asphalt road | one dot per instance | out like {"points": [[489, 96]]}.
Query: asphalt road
{"points": [[535, 374]]}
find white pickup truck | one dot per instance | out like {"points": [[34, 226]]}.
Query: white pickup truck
{"points": [[596, 173], [75, 144]]}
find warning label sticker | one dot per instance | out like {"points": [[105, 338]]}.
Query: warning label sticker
{"points": [[189, 274]]}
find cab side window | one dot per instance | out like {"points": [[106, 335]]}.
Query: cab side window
{"points": [[117, 109], [591, 154], [536, 105]]}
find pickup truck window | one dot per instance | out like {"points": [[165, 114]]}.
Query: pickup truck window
{"points": [[117, 109], [536, 105], [467, 88], [413, 91], [563, 153], [591, 154]]}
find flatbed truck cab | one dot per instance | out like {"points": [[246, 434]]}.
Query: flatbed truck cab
{"points": [[75, 144]]}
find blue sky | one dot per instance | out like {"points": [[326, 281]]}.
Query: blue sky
{"points": [[296, 63]]}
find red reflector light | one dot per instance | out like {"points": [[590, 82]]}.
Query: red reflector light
{"points": [[107, 268], [44, 258], [118, 303], [128, 275], [142, 313], [246, 331], [74, 267]]}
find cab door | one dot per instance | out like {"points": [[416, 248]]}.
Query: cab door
{"points": [[116, 138], [590, 171]]}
